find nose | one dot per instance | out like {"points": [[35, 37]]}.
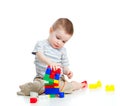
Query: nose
{"points": [[58, 42]]}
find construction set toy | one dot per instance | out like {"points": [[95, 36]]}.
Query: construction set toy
{"points": [[109, 88], [51, 78], [84, 82], [51, 86], [96, 85], [33, 97]]}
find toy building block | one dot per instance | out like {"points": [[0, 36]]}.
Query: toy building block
{"points": [[51, 90], [99, 84], [52, 75], [92, 86], [33, 100], [61, 94], [85, 82], [33, 97], [56, 81], [109, 88], [52, 96], [49, 86], [96, 85], [48, 70], [57, 76], [47, 78], [52, 86]]}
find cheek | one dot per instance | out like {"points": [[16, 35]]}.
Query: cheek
{"points": [[62, 44], [53, 39]]}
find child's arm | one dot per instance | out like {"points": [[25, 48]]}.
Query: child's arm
{"points": [[47, 61], [68, 72]]}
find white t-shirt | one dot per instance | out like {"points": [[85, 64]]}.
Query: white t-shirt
{"points": [[56, 55]]}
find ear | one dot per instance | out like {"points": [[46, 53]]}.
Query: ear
{"points": [[51, 30]]}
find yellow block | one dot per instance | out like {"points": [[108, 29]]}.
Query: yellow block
{"points": [[99, 84], [109, 88], [92, 86], [56, 81], [56, 87]]}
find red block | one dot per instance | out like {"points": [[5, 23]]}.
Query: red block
{"points": [[85, 82], [52, 75], [51, 86], [33, 100], [58, 71]]}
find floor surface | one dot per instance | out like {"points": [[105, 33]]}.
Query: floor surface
{"points": [[85, 97]]}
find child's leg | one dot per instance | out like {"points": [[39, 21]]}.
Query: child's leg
{"points": [[35, 86], [69, 87]]}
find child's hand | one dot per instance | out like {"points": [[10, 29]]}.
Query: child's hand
{"points": [[69, 74], [54, 65]]}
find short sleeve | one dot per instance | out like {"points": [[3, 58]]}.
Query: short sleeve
{"points": [[65, 61], [38, 47]]}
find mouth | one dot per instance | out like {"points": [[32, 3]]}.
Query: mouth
{"points": [[56, 46]]}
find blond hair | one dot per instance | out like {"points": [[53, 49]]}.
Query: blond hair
{"points": [[65, 24]]}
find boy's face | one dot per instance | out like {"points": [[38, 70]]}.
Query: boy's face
{"points": [[58, 38]]}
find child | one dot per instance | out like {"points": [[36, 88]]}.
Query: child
{"points": [[51, 52]]}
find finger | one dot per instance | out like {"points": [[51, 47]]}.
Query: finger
{"points": [[51, 66], [68, 73], [54, 68], [71, 75]]}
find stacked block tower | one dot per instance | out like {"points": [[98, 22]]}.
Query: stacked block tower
{"points": [[51, 78]]}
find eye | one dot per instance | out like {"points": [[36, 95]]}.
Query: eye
{"points": [[57, 37], [64, 41]]}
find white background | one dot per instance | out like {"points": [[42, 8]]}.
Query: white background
{"points": [[93, 51]]}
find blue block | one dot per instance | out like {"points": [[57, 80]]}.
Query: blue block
{"points": [[48, 71], [57, 76], [51, 91], [61, 94]]}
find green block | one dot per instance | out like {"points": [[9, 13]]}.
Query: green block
{"points": [[51, 81], [46, 77], [52, 96]]}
